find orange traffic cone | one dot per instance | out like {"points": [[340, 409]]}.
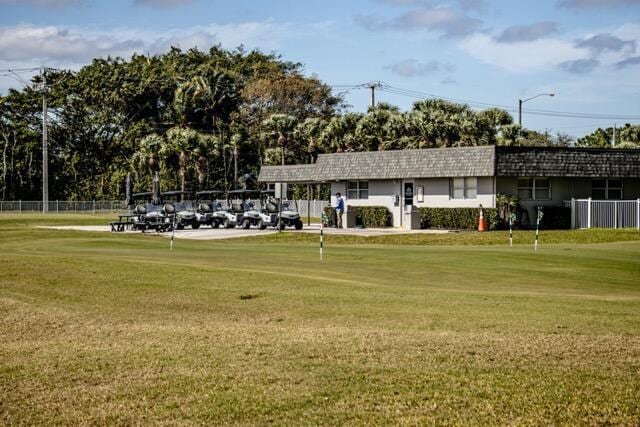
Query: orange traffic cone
{"points": [[482, 225]]}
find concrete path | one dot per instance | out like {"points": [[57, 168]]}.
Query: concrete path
{"points": [[207, 233]]}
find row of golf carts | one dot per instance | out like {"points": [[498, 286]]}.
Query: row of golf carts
{"points": [[175, 209]]}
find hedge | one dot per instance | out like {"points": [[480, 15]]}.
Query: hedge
{"points": [[555, 218], [372, 216], [366, 216], [329, 216], [457, 218]]}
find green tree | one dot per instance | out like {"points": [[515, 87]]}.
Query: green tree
{"points": [[178, 150], [278, 132], [339, 134], [310, 132]]}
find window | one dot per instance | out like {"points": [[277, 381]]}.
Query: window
{"points": [[606, 188], [534, 188], [463, 188], [358, 190]]}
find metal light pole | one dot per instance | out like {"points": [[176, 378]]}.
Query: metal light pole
{"points": [[521, 101]]}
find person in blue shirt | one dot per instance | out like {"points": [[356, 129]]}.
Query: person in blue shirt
{"points": [[339, 209]]}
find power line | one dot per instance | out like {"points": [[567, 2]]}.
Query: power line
{"points": [[539, 112]]}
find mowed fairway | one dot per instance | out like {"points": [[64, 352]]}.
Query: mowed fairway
{"points": [[100, 328]]}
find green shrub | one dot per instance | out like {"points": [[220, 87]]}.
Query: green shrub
{"points": [[329, 216], [372, 216], [457, 218], [555, 218]]}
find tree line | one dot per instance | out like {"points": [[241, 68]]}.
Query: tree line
{"points": [[208, 120]]}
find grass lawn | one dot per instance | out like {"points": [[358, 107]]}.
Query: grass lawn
{"points": [[99, 328]]}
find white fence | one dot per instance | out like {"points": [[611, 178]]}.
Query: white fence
{"points": [[588, 213], [315, 207]]}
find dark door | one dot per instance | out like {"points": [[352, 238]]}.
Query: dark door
{"points": [[408, 193]]}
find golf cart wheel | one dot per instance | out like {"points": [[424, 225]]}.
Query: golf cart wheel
{"points": [[226, 224], [261, 225], [298, 225], [195, 225], [180, 227], [215, 224], [246, 224]]}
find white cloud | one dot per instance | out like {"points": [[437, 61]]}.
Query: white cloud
{"points": [[411, 68], [69, 45], [24, 43], [444, 20], [567, 52], [28, 46], [522, 57]]}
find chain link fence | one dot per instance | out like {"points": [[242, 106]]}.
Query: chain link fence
{"points": [[63, 206], [314, 207]]}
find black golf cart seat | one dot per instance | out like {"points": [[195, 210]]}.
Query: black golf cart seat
{"points": [[168, 209], [237, 208], [271, 207]]}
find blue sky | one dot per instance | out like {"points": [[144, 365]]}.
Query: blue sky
{"points": [[585, 51]]}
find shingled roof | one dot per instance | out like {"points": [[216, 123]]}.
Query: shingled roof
{"points": [[426, 163], [567, 162], [289, 173]]}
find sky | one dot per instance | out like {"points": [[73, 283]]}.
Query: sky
{"points": [[485, 53]]}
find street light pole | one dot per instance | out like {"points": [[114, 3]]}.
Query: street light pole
{"points": [[45, 155], [520, 102]]}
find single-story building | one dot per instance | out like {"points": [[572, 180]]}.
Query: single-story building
{"points": [[405, 180]]}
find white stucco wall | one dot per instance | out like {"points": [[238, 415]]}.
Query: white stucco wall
{"points": [[380, 194], [436, 195]]}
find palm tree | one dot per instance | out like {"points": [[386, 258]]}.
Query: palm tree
{"points": [[208, 147], [181, 142], [310, 130], [236, 140], [208, 95], [148, 151], [278, 129], [372, 130], [146, 156], [339, 134]]}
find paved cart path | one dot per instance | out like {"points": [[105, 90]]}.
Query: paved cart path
{"points": [[231, 233]]}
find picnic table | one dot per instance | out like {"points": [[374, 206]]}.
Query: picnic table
{"points": [[123, 223]]}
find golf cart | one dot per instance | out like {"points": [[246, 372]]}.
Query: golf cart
{"points": [[246, 212], [185, 214], [210, 209], [290, 215], [269, 210], [147, 215]]}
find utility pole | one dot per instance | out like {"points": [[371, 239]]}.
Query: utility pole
{"points": [[520, 112], [45, 147], [613, 144], [373, 86]]}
